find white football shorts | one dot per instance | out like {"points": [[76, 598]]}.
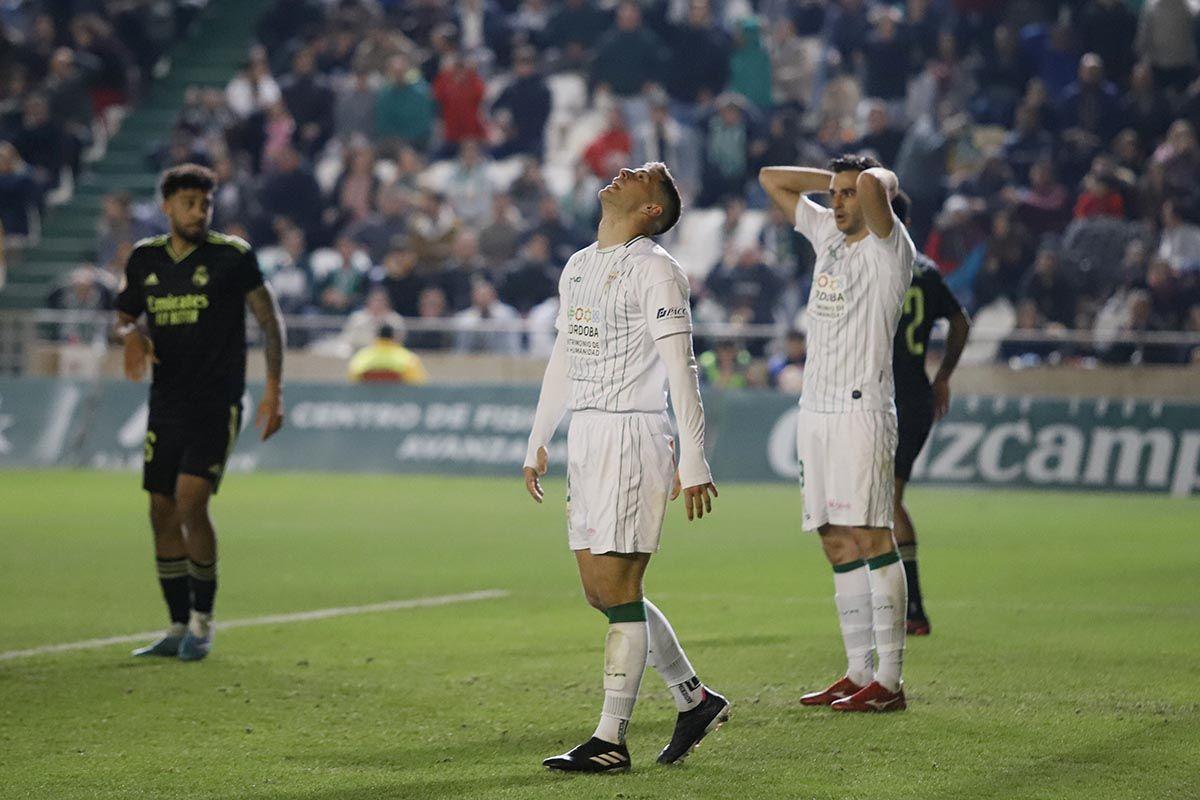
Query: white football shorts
{"points": [[846, 468], [620, 469]]}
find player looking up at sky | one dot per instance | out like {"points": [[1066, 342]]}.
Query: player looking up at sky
{"points": [[846, 437], [624, 337], [193, 286]]}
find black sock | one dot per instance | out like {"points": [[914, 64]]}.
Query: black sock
{"points": [[908, 552], [173, 578], [203, 580]]}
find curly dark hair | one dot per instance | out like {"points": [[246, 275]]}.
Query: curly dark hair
{"points": [[187, 176], [852, 163]]}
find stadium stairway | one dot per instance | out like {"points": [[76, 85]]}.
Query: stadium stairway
{"points": [[207, 56]]}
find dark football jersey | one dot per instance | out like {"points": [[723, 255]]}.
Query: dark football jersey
{"points": [[195, 307], [928, 299]]}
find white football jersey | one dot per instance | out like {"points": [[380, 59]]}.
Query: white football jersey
{"points": [[614, 304], [853, 309]]}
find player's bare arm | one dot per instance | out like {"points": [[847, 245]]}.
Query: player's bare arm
{"points": [[786, 185], [876, 188], [956, 340], [266, 310], [552, 404], [683, 380], [138, 349]]}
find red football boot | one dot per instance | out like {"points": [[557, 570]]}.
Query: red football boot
{"points": [[917, 626], [844, 687], [874, 698]]}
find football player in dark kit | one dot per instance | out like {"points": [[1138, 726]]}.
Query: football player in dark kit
{"points": [[918, 402], [193, 285]]}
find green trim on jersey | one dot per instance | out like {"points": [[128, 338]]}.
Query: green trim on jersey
{"points": [[152, 241], [236, 242]]}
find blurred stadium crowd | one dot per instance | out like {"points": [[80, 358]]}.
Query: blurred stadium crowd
{"points": [[68, 71], [422, 159]]}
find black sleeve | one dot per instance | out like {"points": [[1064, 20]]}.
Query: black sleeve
{"points": [[131, 298], [249, 275]]}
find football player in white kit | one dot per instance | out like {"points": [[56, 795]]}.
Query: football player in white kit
{"points": [[624, 335], [846, 439]]}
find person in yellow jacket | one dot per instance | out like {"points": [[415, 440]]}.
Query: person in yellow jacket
{"points": [[387, 361]]}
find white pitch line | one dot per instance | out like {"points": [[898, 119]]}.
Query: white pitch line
{"points": [[270, 619]]}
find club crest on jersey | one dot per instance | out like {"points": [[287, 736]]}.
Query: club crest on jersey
{"points": [[151, 280], [200, 276]]}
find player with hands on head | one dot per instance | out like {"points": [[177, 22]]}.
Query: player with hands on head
{"points": [[846, 431]]}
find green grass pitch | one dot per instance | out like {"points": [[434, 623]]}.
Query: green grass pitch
{"points": [[1063, 662]]}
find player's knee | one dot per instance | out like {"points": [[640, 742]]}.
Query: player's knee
{"points": [[192, 509], [875, 542], [162, 512], [616, 596], [594, 600], [839, 548]]}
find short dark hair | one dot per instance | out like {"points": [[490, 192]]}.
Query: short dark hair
{"points": [[852, 163], [672, 202], [901, 203], [386, 332], [187, 176]]}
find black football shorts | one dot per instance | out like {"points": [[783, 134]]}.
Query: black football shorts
{"points": [[198, 443], [914, 421]]}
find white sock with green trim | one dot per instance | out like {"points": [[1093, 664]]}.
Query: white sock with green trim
{"points": [[889, 604], [852, 593], [625, 648]]}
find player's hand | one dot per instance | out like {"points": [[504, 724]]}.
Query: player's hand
{"points": [[696, 500], [676, 486], [270, 413], [941, 398], [138, 350], [533, 484]]}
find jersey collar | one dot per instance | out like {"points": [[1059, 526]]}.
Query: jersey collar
{"points": [[181, 257], [619, 246]]}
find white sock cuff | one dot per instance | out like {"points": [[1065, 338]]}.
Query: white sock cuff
{"points": [[618, 705], [677, 672]]}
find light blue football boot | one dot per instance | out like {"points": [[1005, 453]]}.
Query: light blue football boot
{"points": [[167, 646], [197, 642]]}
